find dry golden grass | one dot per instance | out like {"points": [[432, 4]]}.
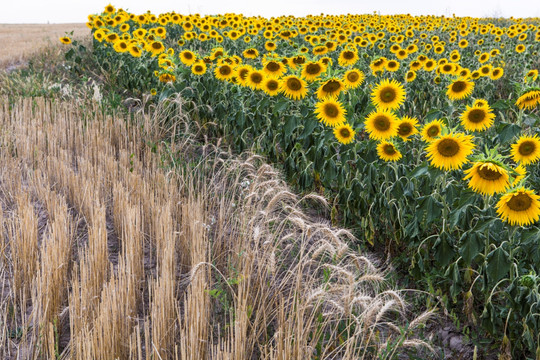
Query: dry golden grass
{"points": [[106, 251], [20, 41]]}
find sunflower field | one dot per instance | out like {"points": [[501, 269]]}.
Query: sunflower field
{"points": [[421, 130]]}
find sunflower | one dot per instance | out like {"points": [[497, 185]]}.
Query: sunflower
{"points": [[520, 48], [255, 79], [187, 57], [330, 88], [293, 87], [388, 95], [407, 128], [330, 112], [135, 50], [388, 151], [270, 46], [477, 118], [166, 78], [250, 53], [429, 65], [271, 86], [532, 75], [381, 124], [446, 69], [487, 178], [348, 57], [485, 70], [65, 40], [353, 78], [496, 73], [410, 76], [344, 133], [449, 152], [432, 130], [198, 68], [529, 100], [521, 172], [241, 73], [519, 207], [312, 70], [156, 48], [392, 65], [377, 65], [224, 72], [274, 68], [526, 150], [460, 89], [480, 103]]}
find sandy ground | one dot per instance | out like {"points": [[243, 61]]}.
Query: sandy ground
{"points": [[18, 41]]}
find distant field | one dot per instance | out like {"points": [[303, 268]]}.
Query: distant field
{"points": [[18, 41]]}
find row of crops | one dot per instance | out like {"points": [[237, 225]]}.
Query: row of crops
{"points": [[422, 131]]}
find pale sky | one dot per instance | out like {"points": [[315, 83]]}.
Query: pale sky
{"points": [[76, 11]]}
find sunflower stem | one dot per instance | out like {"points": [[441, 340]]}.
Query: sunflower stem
{"points": [[511, 252]]}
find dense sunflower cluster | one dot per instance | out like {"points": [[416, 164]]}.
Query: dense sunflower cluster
{"points": [[327, 62]]}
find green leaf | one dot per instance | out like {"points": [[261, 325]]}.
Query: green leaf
{"points": [[507, 132], [501, 105], [430, 208], [289, 127], [444, 252], [498, 264], [470, 247]]}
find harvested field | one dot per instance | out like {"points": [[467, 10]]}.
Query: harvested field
{"points": [[113, 247], [19, 41]]}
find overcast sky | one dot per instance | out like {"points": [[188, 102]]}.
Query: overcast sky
{"points": [[67, 11]]}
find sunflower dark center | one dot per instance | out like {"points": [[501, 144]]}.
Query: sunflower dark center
{"points": [[477, 116], [225, 70], [353, 76], [156, 46], [294, 84], [344, 132], [459, 86], [389, 149], [299, 60], [404, 129], [485, 70], [448, 147], [388, 94], [410, 75], [392, 64], [348, 55], [198, 68], [313, 69], [519, 202], [496, 72], [331, 110], [273, 66], [527, 148], [488, 174], [447, 68], [251, 52], [331, 86], [382, 123], [272, 85], [256, 77], [188, 56]]}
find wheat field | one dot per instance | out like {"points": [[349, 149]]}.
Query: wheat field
{"points": [[108, 251]]}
